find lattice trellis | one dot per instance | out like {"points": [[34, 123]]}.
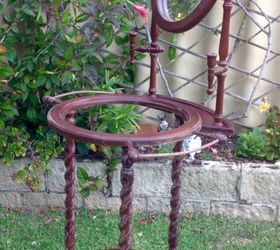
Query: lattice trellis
{"points": [[247, 83], [253, 60]]}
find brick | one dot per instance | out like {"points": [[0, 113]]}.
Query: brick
{"points": [[151, 179], [212, 181], [10, 199], [258, 212], [260, 184], [99, 201], [162, 205], [44, 200]]}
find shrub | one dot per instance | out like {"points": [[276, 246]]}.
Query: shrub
{"points": [[50, 47], [262, 144]]}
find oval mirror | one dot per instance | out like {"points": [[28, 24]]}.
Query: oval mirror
{"points": [[180, 15]]}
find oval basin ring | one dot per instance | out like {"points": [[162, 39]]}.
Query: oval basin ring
{"points": [[57, 119]]}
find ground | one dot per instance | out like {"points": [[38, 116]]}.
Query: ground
{"points": [[98, 230]]}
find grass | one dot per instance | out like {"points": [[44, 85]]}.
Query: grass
{"points": [[98, 230]]}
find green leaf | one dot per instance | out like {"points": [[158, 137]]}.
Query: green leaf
{"points": [[29, 12], [119, 40], [29, 66], [85, 192], [33, 99], [82, 176], [69, 39], [2, 123], [1, 8], [171, 53], [82, 148], [111, 58], [41, 80], [140, 56], [108, 33], [68, 55], [106, 150], [83, 1], [6, 106], [66, 17], [32, 115]]}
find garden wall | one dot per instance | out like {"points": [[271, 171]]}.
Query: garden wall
{"points": [[250, 191]]}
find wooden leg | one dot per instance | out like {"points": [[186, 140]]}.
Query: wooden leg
{"points": [[69, 176], [175, 199], [127, 178], [70, 194]]}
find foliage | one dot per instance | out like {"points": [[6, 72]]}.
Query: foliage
{"points": [[272, 133], [88, 183], [262, 144], [165, 148], [51, 47], [40, 156], [115, 119], [251, 144], [54, 47], [206, 155], [13, 143]]}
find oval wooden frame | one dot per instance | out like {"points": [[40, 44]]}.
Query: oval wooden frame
{"points": [[58, 122], [164, 21]]}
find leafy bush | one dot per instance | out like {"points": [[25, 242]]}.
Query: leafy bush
{"points": [[48, 48], [251, 144], [272, 133], [262, 144]]}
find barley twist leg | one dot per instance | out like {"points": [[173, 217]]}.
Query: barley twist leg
{"points": [[70, 192], [175, 199], [127, 178]]}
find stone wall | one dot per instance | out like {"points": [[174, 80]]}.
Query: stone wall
{"points": [[250, 191]]}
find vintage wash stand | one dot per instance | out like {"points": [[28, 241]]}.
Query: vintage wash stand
{"points": [[191, 119]]}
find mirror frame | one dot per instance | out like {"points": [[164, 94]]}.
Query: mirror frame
{"points": [[163, 20]]}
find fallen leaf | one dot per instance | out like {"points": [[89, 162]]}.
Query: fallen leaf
{"points": [[146, 220], [188, 217], [48, 221], [90, 213], [52, 208]]}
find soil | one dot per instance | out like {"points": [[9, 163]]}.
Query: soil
{"points": [[225, 151]]}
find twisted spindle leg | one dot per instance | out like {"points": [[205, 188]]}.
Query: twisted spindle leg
{"points": [[127, 178], [70, 193], [175, 199]]}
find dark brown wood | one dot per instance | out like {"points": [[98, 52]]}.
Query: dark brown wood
{"points": [[127, 178], [163, 20], [70, 163], [223, 66], [133, 41], [211, 62], [154, 45], [57, 121], [175, 201]]}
